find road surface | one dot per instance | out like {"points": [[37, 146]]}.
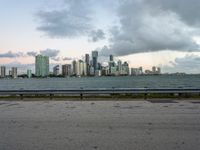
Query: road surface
{"points": [[99, 125]]}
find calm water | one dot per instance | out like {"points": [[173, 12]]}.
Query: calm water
{"points": [[189, 81]]}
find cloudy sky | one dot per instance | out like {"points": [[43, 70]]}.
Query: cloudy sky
{"points": [[164, 33]]}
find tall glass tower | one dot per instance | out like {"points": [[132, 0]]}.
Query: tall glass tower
{"points": [[95, 60], [41, 66]]}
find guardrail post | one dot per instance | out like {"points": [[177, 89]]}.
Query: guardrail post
{"points": [[21, 96], [113, 90], [145, 94], [81, 94], [51, 96]]}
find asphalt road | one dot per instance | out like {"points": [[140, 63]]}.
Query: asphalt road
{"points": [[113, 125]]}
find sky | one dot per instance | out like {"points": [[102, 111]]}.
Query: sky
{"points": [[143, 32]]}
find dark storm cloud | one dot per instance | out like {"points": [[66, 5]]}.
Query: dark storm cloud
{"points": [[187, 10], [32, 53], [96, 35], [52, 53], [72, 21], [10, 54], [147, 26], [188, 64]]}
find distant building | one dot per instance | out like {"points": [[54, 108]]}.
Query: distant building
{"points": [[105, 71], [159, 70], [95, 60], [87, 62], [3, 71], [74, 67], [98, 73], [135, 71], [42, 66], [111, 58], [10, 73], [113, 71], [56, 70], [92, 71], [14, 72], [80, 68], [125, 68], [66, 70], [111, 64], [156, 70], [148, 72], [119, 67], [29, 73], [141, 70]]}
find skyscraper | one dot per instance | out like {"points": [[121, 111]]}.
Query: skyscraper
{"points": [[74, 67], [56, 70], [42, 66], [14, 72], [66, 70], [3, 71], [111, 58], [95, 60], [119, 67], [29, 73], [87, 61]]}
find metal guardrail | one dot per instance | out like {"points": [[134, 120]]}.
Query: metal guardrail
{"points": [[98, 91]]}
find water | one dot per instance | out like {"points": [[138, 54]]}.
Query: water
{"points": [[165, 81]]}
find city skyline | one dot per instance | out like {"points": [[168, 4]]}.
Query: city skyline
{"points": [[89, 66], [144, 33]]}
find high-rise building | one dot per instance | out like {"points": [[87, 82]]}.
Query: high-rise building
{"points": [[66, 70], [95, 60], [111, 58], [159, 70], [3, 71], [154, 70], [87, 61], [125, 68], [80, 68], [119, 67], [74, 67], [56, 70], [41, 66], [29, 73], [14, 72]]}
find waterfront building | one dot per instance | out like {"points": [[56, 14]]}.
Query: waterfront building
{"points": [[95, 60], [125, 68], [154, 70], [159, 70], [92, 71], [111, 58], [105, 71], [141, 70], [3, 71], [42, 66], [119, 67], [29, 73], [74, 67], [14, 72], [81, 68], [135, 71], [98, 73], [66, 70], [87, 62], [10, 73], [56, 70], [113, 71]]}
